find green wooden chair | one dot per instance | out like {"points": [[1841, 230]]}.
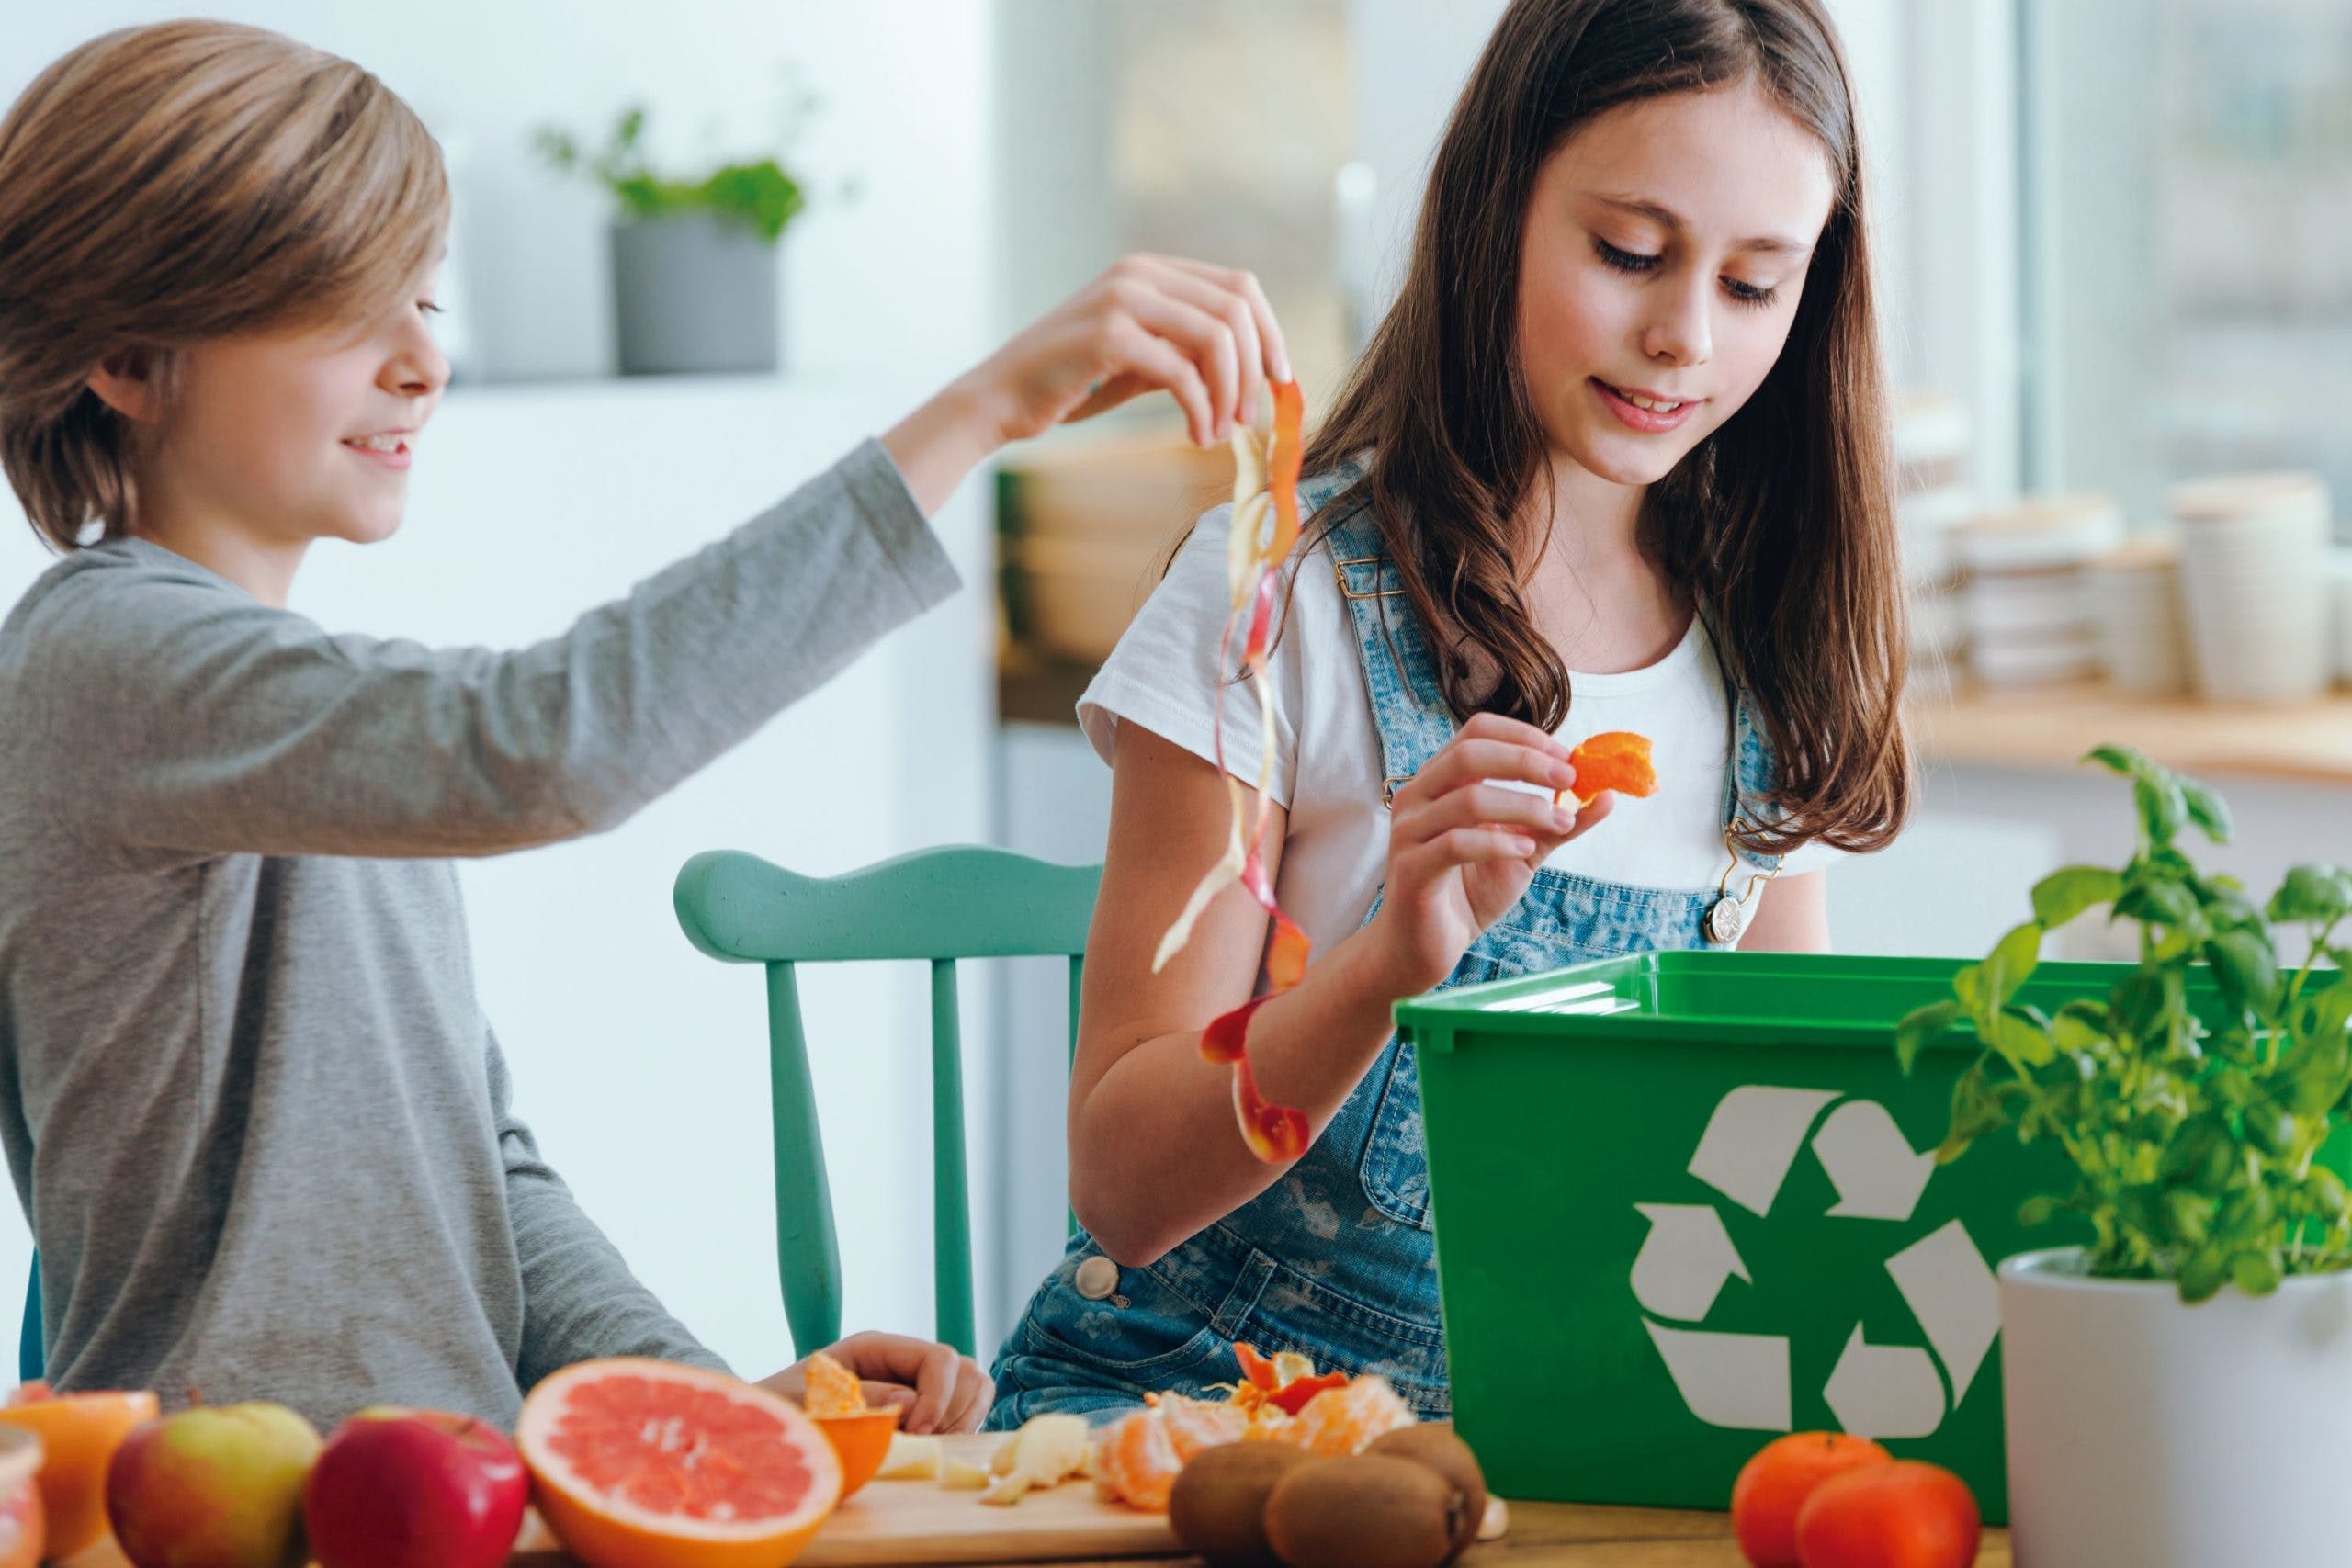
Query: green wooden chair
{"points": [[940, 906]]}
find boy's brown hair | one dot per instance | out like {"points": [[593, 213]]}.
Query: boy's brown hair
{"points": [[161, 185]]}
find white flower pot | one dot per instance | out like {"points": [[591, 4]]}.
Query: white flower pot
{"points": [[2143, 1433]]}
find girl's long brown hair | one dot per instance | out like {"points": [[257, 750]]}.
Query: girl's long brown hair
{"points": [[1779, 524]]}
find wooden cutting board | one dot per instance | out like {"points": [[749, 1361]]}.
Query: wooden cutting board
{"points": [[893, 1522], [909, 1522]]}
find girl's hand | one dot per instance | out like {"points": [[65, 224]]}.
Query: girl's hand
{"points": [[1203, 334], [943, 1392], [1462, 851]]}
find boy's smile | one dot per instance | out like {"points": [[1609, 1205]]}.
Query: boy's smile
{"points": [[388, 448]]}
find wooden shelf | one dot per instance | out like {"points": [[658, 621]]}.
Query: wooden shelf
{"points": [[2051, 727]]}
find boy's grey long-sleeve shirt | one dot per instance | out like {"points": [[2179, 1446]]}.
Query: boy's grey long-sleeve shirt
{"points": [[247, 1094]]}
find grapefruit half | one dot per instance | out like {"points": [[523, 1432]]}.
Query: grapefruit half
{"points": [[649, 1464]]}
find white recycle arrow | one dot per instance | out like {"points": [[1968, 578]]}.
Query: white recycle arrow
{"points": [[1728, 1380], [1753, 1138], [1885, 1390], [1870, 1163], [1955, 1298], [1684, 1260]]}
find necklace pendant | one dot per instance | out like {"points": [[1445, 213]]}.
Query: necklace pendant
{"points": [[1726, 918]]}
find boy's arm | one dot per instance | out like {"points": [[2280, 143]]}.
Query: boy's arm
{"points": [[579, 1301], [199, 720]]}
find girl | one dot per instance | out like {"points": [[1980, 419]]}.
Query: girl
{"points": [[252, 1107], [1616, 460]]}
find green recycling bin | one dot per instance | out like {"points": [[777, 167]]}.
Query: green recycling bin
{"points": [[1686, 1201]]}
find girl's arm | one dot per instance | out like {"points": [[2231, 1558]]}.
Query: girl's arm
{"points": [[1155, 1154], [1791, 916]]}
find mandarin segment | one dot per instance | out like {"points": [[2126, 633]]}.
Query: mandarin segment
{"points": [[834, 1389], [1616, 761]]}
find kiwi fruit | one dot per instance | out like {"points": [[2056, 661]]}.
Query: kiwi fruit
{"points": [[1434, 1443], [1370, 1511], [1218, 1507]]}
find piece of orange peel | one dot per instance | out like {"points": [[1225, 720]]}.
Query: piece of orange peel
{"points": [[1265, 525]]}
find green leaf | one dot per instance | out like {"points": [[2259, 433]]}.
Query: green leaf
{"points": [[2246, 971], [2161, 809], [2207, 810], [2327, 1192], [1922, 1028], [2191, 1214], [2202, 1275], [2157, 903], [2011, 962], [2119, 759], [2334, 1013], [2257, 1273], [2038, 1210], [2274, 1130], [2064, 894], [2312, 894], [2021, 1041]]}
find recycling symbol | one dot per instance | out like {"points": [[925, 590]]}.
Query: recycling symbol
{"points": [[1741, 1381]]}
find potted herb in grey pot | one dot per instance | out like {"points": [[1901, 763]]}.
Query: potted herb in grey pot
{"points": [[695, 282]]}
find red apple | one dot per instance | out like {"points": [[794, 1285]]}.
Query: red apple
{"points": [[218, 1486], [415, 1489]]}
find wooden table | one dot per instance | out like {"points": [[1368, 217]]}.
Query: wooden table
{"points": [[1543, 1535], [1561, 1535]]}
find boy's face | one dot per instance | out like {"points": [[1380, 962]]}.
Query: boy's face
{"points": [[1665, 251], [301, 434]]}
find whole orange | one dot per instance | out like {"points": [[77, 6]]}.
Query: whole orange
{"points": [[1903, 1514], [1774, 1484], [81, 1432]]}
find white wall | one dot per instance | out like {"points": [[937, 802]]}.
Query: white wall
{"points": [[640, 1064], [895, 276]]}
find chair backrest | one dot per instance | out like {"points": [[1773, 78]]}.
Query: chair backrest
{"points": [[938, 905]]}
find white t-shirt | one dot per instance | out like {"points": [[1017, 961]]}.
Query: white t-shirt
{"points": [[1327, 770]]}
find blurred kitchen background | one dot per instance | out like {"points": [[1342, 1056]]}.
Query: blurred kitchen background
{"points": [[2117, 246]]}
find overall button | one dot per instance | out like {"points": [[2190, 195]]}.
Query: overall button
{"points": [[1097, 1278]]}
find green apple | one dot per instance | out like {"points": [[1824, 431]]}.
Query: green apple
{"points": [[217, 1486]]}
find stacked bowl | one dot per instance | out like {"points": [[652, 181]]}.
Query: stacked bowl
{"points": [[2144, 639], [1933, 497], [2256, 582], [2030, 615]]}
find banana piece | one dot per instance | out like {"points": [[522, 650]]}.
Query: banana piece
{"points": [[909, 1459], [1046, 1451]]}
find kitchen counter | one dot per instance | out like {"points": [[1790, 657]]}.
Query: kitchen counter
{"points": [[2051, 727]]}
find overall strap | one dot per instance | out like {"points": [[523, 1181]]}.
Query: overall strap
{"points": [[1400, 670]]}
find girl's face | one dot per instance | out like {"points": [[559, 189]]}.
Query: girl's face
{"points": [[291, 436], [1665, 252]]}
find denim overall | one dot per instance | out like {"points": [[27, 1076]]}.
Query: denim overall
{"points": [[1337, 1259]]}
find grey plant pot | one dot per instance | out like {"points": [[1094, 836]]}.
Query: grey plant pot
{"points": [[694, 294]]}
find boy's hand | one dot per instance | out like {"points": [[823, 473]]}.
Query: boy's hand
{"points": [[1204, 334], [942, 1391]]}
